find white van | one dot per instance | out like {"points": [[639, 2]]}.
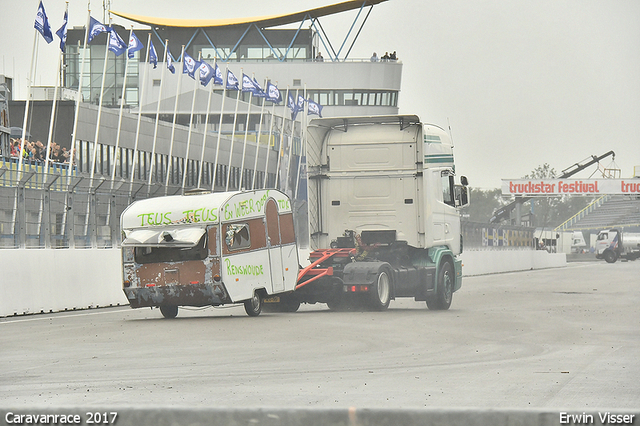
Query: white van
{"points": [[209, 249]]}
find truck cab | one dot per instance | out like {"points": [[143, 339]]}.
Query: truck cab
{"points": [[383, 212]]}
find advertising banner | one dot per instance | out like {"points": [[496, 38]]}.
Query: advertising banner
{"points": [[556, 187]]}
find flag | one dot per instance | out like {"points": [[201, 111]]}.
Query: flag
{"points": [[217, 76], [314, 108], [259, 91], [62, 32], [95, 28], [293, 106], [248, 85], [273, 94], [170, 62], [301, 101], [116, 43], [232, 81], [206, 73], [134, 45], [42, 24], [189, 66], [153, 55]]}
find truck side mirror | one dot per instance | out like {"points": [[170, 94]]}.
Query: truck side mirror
{"points": [[461, 195]]}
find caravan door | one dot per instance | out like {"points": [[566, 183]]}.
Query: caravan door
{"points": [[274, 245]]}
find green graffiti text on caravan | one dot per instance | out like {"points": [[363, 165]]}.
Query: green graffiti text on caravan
{"points": [[203, 214], [244, 208], [254, 270]]}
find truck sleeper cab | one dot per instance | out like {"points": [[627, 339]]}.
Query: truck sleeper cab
{"points": [[208, 249], [383, 213]]}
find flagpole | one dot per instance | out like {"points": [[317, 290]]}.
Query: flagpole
{"points": [[155, 130], [193, 106], [215, 164], [302, 144], [26, 105], [173, 127], [281, 148], [291, 144], [140, 100], [255, 163], [246, 133], [95, 140], [206, 123], [79, 94], [233, 135], [53, 107], [122, 102], [272, 123]]}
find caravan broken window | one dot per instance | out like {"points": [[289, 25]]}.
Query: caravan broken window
{"points": [[149, 254], [237, 236]]}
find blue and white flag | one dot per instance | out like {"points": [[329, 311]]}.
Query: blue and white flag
{"points": [[42, 24], [116, 43], [259, 90], [170, 66], [248, 85], [189, 66], [153, 55], [292, 106], [301, 101], [62, 32], [95, 28], [206, 73], [217, 76], [273, 94], [314, 108], [232, 81], [134, 45]]}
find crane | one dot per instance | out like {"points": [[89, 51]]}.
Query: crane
{"points": [[503, 212]]}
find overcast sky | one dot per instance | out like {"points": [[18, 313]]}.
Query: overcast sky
{"points": [[520, 83]]}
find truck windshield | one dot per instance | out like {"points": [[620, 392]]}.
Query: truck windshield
{"points": [[603, 236], [172, 254]]}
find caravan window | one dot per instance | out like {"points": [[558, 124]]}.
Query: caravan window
{"points": [[172, 254], [237, 236]]}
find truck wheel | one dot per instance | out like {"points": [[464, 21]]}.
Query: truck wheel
{"points": [[444, 292], [169, 311], [610, 256], [381, 292], [253, 306]]}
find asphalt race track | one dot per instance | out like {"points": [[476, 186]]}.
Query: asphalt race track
{"points": [[556, 339]]}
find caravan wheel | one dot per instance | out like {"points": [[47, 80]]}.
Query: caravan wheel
{"points": [[169, 311], [253, 306]]}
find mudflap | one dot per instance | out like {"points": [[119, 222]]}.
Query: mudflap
{"points": [[457, 265], [362, 273]]}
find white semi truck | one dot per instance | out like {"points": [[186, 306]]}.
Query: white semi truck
{"points": [[613, 244], [384, 216]]}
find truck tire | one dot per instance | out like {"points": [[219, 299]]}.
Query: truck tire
{"points": [[169, 311], [381, 292], [444, 291], [253, 306], [610, 256]]}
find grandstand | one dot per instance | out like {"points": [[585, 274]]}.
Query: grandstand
{"points": [[609, 211]]}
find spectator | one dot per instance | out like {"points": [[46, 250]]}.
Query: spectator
{"points": [[385, 58], [374, 57], [393, 56], [319, 57]]}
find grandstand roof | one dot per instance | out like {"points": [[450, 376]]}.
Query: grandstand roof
{"points": [[262, 22]]}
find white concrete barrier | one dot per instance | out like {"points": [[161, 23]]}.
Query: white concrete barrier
{"points": [[35, 281], [483, 262], [39, 280]]}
